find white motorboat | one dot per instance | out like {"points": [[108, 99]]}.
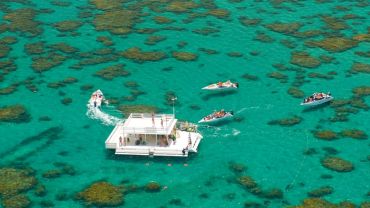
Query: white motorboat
{"points": [[217, 116], [222, 86], [317, 99], [96, 99]]}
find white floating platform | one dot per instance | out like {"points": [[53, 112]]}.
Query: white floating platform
{"points": [[152, 135]]}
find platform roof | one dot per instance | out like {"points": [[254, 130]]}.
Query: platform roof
{"points": [[140, 123]]}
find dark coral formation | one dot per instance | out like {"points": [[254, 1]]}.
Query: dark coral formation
{"points": [[4, 50], [153, 187], [66, 101], [16, 201], [295, 92], [247, 21], [333, 44], [63, 169], [8, 90], [206, 31], [320, 192], [131, 84], [358, 67], [354, 133], [184, 56], [325, 135], [304, 59], [219, 13], [279, 76], [44, 63], [52, 174], [136, 54], [114, 19], [14, 181], [285, 28], [111, 72], [247, 182], [34, 48], [101, 194], [68, 25], [322, 203], [235, 54], [250, 77], [286, 121], [263, 37], [274, 193], [154, 39], [334, 23], [14, 113], [40, 190], [237, 168], [23, 20], [361, 91], [337, 164], [181, 6], [64, 48], [320, 76], [330, 150], [162, 20], [106, 40]]}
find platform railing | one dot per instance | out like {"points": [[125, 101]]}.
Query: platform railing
{"points": [[159, 130]]}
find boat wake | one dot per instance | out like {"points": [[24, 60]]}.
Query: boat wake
{"points": [[220, 131], [105, 118]]}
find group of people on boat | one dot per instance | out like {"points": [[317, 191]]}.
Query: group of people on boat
{"points": [[216, 114], [97, 98], [222, 86], [315, 97], [228, 83]]}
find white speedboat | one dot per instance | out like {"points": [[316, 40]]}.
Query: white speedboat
{"points": [[222, 86], [217, 116], [96, 99], [317, 99]]}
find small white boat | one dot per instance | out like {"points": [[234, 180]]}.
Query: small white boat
{"points": [[317, 99], [222, 86], [217, 116], [96, 99]]}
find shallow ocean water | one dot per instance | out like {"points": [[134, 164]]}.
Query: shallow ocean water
{"points": [[273, 154]]}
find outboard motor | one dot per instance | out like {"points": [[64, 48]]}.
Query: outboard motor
{"points": [[231, 112], [95, 104], [237, 85]]}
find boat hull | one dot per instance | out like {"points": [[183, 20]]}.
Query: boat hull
{"points": [[318, 102], [216, 88], [216, 119]]}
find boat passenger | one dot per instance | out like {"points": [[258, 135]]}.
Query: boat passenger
{"points": [[219, 84]]}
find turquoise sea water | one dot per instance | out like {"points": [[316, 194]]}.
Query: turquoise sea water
{"points": [[273, 154]]}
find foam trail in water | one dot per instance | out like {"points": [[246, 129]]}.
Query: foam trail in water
{"points": [[218, 132], [241, 110], [96, 113], [236, 132]]}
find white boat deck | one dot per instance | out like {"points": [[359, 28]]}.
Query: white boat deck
{"points": [[144, 138]]}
